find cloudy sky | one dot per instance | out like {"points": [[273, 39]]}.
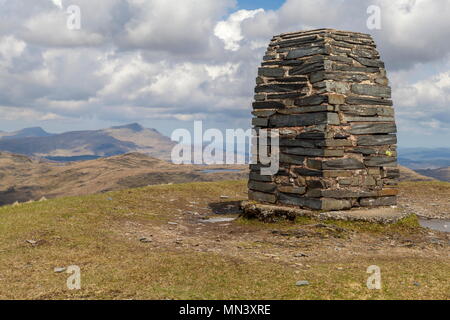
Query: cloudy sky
{"points": [[166, 63]]}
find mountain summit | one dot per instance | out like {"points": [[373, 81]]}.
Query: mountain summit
{"points": [[25, 133], [132, 126]]}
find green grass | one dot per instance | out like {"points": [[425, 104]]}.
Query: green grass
{"points": [[89, 232]]}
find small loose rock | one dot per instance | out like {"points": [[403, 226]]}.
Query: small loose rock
{"points": [[59, 270], [301, 255], [302, 283]]}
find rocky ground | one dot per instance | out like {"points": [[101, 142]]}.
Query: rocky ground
{"points": [[429, 200]]}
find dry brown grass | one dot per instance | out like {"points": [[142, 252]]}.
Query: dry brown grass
{"points": [[194, 260]]}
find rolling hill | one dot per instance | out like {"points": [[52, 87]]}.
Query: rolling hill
{"points": [[23, 178], [442, 174]]}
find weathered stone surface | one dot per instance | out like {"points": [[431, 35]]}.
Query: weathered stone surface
{"points": [[314, 164], [308, 172], [307, 119], [367, 110], [257, 177], [338, 173], [377, 140], [303, 202], [373, 128], [299, 110], [334, 205], [262, 186], [327, 93], [370, 62], [371, 90], [367, 119], [264, 113], [380, 162], [313, 152], [291, 159], [342, 194], [336, 99], [294, 95], [304, 52], [369, 101], [316, 184], [260, 122], [307, 68], [300, 143], [292, 189], [271, 72], [299, 41], [262, 197], [344, 163], [268, 105], [392, 173], [311, 101], [279, 88]]}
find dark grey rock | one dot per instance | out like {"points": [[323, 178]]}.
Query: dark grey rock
{"points": [[346, 163], [307, 119], [373, 128], [315, 204], [262, 197], [295, 95], [262, 186], [311, 101], [290, 79], [260, 122], [377, 140], [308, 172], [268, 105], [299, 143], [291, 159], [342, 194], [271, 72], [292, 189], [304, 52], [307, 68], [257, 177], [298, 110], [374, 161], [369, 62], [314, 164], [279, 88], [371, 90], [369, 101]]}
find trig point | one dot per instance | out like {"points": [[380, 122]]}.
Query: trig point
{"points": [[327, 93]]}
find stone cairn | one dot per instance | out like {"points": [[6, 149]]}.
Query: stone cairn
{"points": [[327, 93]]}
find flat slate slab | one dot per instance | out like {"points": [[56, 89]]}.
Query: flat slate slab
{"points": [[270, 213]]}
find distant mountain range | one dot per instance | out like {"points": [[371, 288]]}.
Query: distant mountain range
{"points": [[87, 145], [424, 158]]}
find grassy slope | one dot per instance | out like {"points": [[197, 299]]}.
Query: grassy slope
{"points": [[94, 232]]}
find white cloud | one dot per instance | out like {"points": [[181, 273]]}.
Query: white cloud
{"points": [[194, 59], [10, 48], [229, 31], [58, 3]]}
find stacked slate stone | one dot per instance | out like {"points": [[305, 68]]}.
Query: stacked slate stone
{"points": [[327, 93]]}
